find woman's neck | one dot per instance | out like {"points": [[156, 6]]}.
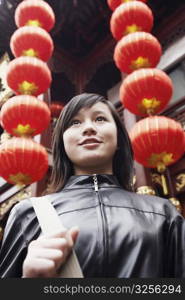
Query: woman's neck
{"points": [[91, 171]]}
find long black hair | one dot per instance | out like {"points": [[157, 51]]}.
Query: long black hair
{"points": [[63, 167]]}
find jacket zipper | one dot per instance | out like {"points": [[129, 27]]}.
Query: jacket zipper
{"points": [[103, 221]]}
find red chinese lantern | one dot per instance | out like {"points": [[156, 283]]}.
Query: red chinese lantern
{"points": [[131, 17], [146, 91], [22, 161], [25, 116], [35, 13], [115, 3], [137, 50], [28, 75], [157, 142], [31, 41], [56, 107]]}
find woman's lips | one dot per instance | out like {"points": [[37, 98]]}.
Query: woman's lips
{"points": [[90, 145], [90, 141]]}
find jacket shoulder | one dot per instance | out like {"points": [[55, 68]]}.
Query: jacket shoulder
{"points": [[151, 203], [25, 207]]}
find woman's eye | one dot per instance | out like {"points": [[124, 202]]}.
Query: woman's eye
{"points": [[100, 118], [74, 122]]}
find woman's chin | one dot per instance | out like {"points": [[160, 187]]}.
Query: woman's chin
{"points": [[91, 160]]}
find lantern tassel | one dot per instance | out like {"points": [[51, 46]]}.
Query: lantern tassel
{"points": [[164, 184]]}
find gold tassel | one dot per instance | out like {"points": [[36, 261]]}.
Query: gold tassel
{"points": [[176, 203], [164, 184]]}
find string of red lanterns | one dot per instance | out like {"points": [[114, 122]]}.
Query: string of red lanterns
{"points": [[147, 90], [22, 160]]}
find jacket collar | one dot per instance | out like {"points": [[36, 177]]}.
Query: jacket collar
{"points": [[88, 180]]}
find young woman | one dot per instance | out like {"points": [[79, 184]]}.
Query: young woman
{"points": [[115, 232]]}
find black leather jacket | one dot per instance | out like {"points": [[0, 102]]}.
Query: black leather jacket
{"points": [[122, 234]]}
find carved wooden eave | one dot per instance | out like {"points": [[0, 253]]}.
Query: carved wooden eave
{"points": [[170, 29], [11, 197], [81, 70], [5, 91]]}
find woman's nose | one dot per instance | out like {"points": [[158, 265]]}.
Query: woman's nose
{"points": [[89, 128]]}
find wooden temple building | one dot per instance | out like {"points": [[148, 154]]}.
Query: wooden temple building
{"points": [[82, 61]]}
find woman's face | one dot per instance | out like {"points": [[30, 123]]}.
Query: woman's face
{"points": [[90, 141]]}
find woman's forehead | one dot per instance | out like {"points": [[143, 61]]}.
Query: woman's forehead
{"points": [[95, 108]]}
